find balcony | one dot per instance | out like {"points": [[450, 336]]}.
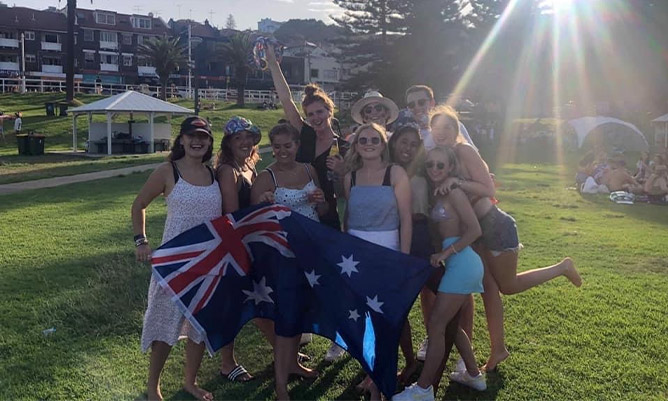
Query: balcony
{"points": [[108, 45], [8, 66], [52, 46], [52, 69], [146, 71], [9, 43], [109, 67]]}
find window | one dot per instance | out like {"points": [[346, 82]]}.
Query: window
{"points": [[144, 62], [140, 40], [50, 38], [107, 36], [127, 61], [141, 23], [330, 74], [105, 18], [109, 59], [314, 73], [51, 61], [89, 57], [89, 35], [29, 35], [30, 58], [127, 39]]}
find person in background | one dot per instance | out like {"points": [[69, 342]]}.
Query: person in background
{"points": [[642, 168], [18, 123]]}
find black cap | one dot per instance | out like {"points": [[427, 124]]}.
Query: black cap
{"points": [[196, 124]]}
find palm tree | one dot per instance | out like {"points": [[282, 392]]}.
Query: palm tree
{"points": [[166, 55], [236, 53]]}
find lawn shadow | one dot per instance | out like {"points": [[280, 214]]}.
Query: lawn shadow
{"points": [[456, 391], [619, 213]]}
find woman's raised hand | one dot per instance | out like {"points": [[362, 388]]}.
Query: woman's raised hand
{"points": [[271, 54]]}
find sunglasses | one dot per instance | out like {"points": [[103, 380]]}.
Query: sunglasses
{"points": [[439, 165], [420, 102], [364, 140], [377, 107]]}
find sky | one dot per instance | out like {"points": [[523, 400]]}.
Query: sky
{"points": [[246, 12]]}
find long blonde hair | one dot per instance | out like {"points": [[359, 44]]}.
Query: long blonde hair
{"points": [[353, 160], [448, 112]]}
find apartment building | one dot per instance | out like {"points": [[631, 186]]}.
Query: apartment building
{"points": [[43, 35]]}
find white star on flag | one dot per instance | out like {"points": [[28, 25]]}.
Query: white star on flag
{"points": [[348, 265], [353, 315], [312, 278], [260, 292], [374, 303]]}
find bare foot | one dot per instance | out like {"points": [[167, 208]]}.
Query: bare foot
{"points": [[364, 385], [304, 372], [153, 395], [570, 272], [406, 373], [494, 360], [198, 392]]}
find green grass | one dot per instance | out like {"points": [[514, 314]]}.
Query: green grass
{"points": [[58, 132], [67, 262]]}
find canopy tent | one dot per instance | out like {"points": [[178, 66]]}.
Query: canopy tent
{"points": [[661, 130], [619, 134], [126, 102]]}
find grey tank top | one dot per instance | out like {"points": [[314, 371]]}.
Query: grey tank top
{"points": [[373, 207]]}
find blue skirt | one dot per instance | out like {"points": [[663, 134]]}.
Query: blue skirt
{"points": [[463, 271]]}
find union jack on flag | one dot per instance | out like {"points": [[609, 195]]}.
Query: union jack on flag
{"points": [[198, 263], [267, 262]]}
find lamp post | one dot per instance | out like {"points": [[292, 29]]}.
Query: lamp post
{"points": [[23, 62]]}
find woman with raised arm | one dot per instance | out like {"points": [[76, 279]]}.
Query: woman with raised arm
{"points": [[317, 138], [499, 244], [193, 197]]}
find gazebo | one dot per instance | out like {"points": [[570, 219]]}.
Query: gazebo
{"points": [[661, 130], [128, 102], [618, 133]]}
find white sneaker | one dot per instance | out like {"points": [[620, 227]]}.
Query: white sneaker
{"points": [[422, 351], [460, 366], [478, 383], [334, 352], [415, 393], [306, 338]]}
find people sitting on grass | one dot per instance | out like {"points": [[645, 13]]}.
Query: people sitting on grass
{"points": [[642, 168], [656, 186], [617, 178]]}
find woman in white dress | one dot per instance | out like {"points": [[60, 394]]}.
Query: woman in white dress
{"points": [[193, 197], [295, 185]]}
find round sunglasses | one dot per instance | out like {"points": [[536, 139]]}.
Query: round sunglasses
{"points": [[431, 164], [369, 109], [420, 102], [364, 140]]}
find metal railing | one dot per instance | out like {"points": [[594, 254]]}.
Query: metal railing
{"points": [[343, 100]]}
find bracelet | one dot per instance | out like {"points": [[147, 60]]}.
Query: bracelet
{"points": [[453, 249], [139, 236], [140, 240]]}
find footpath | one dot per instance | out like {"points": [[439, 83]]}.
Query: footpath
{"points": [[71, 179]]}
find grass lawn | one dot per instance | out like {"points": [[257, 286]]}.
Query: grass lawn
{"points": [[58, 131], [67, 262]]}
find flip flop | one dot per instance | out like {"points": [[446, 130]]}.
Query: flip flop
{"points": [[238, 374]]}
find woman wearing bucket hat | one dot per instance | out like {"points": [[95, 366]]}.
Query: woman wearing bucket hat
{"points": [[235, 171], [374, 108], [319, 144], [193, 197]]}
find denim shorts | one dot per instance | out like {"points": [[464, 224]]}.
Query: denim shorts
{"points": [[499, 232]]}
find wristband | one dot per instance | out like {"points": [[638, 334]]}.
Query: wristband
{"points": [[453, 249], [140, 239]]}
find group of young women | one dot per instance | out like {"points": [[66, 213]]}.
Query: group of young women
{"points": [[397, 195]]}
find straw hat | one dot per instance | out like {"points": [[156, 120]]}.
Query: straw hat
{"points": [[374, 97]]}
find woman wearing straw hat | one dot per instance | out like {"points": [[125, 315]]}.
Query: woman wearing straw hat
{"points": [[374, 108]]}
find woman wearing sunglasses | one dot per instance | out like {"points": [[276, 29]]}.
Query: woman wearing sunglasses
{"points": [[374, 108], [378, 195], [458, 227], [499, 244]]}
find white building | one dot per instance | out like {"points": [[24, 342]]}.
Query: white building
{"points": [[267, 25], [320, 66]]}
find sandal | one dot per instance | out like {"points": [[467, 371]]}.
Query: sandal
{"points": [[238, 374]]}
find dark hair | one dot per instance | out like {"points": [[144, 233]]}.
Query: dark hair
{"points": [[313, 93], [178, 151], [420, 88], [225, 155], [286, 129], [418, 160]]}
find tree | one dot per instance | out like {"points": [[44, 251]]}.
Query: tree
{"points": [[166, 55], [236, 53], [230, 23]]}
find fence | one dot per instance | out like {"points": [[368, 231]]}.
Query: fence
{"points": [[343, 100]]}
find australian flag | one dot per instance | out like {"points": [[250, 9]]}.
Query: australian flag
{"points": [[269, 262]]}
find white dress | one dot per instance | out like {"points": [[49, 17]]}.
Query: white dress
{"points": [[296, 199], [187, 206]]}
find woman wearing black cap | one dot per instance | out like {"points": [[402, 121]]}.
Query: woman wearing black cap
{"points": [[193, 197]]}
